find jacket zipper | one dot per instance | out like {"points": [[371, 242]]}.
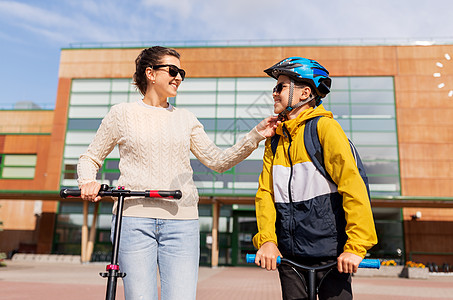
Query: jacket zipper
{"points": [[291, 208]]}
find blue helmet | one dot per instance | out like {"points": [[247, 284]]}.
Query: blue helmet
{"points": [[303, 70]]}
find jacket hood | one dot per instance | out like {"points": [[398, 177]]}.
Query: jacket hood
{"points": [[305, 115]]}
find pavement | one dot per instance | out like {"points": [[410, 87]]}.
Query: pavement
{"points": [[39, 280]]}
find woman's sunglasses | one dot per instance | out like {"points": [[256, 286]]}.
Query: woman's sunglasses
{"points": [[172, 70]]}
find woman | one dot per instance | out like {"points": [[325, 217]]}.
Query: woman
{"points": [[155, 140]]}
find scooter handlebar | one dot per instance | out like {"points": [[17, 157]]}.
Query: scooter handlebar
{"points": [[67, 193], [175, 194], [366, 263], [164, 194]]}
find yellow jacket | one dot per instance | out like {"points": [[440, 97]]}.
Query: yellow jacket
{"points": [[301, 211]]}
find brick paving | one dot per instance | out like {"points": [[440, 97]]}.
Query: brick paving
{"points": [[52, 281]]}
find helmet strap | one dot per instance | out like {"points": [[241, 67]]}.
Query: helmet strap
{"points": [[291, 93], [283, 115]]}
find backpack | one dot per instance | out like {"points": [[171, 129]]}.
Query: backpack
{"points": [[314, 149]]}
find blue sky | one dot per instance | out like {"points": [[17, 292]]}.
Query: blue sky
{"points": [[32, 33]]}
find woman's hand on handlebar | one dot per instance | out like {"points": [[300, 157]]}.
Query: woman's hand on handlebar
{"points": [[348, 262], [89, 191], [266, 257]]}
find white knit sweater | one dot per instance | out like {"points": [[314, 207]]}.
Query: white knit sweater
{"points": [[154, 146]]}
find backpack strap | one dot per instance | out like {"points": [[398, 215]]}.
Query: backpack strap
{"points": [[314, 149], [313, 146], [274, 143]]}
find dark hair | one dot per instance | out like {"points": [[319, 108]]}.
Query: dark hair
{"points": [[149, 57]]}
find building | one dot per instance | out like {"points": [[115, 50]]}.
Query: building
{"points": [[394, 101]]}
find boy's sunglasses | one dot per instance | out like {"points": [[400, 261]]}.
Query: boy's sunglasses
{"points": [[278, 88], [172, 70]]}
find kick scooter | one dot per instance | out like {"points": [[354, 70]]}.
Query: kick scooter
{"points": [[311, 287], [113, 269]]}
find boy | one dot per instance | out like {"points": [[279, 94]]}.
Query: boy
{"points": [[310, 218]]}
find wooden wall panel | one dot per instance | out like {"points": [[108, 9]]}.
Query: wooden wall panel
{"points": [[56, 149], [429, 214], [28, 144], [436, 116], [425, 186], [230, 61], [422, 52], [33, 121], [2, 142], [21, 210], [425, 151], [427, 169], [23, 144], [425, 120], [97, 63], [429, 241]]}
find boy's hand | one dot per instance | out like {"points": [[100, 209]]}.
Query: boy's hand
{"points": [[266, 257], [348, 262]]}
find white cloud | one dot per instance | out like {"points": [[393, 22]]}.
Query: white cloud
{"points": [[20, 12], [163, 20], [183, 8], [32, 32]]}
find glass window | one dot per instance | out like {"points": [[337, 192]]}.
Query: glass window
{"points": [[19, 160], [70, 172], [74, 151], [90, 99], [340, 110], [340, 83], [257, 112], [374, 138], [88, 112], [116, 98], [11, 172], [338, 97], [372, 97], [381, 152], [254, 98], [373, 125], [255, 84], [198, 84], [201, 111], [383, 111], [134, 97], [16, 166], [226, 84], [111, 164], [208, 123], [121, 85], [79, 137], [371, 83], [91, 85], [83, 124], [224, 111], [228, 98], [204, 98], [229, 107]]}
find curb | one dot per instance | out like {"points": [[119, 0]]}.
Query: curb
{"points": [[46, 258]]}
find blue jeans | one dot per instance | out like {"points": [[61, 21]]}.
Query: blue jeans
{"points": [[170, 246]]}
